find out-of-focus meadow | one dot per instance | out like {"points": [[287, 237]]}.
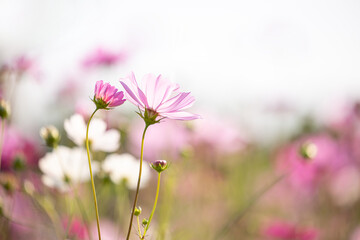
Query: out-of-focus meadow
{"points": [[275, 155]]}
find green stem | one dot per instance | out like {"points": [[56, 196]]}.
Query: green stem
{"points": [[241, 212], [138, 223], [2, 138], [91, 175], [138, 183], [154, 207]]}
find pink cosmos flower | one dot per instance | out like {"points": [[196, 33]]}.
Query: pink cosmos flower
{"points": [[217, 136], [155, 97], [328, 156], [287, 231], [107, 95], [102, 57]]}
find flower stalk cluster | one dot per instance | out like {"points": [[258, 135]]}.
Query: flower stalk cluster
{"points": [[156, 99]]}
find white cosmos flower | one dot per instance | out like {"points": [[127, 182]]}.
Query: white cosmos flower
{"points": [[126, 167], [101, 140], [65, 163]]}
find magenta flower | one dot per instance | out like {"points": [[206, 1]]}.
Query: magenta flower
{"points": [[103, 57], [107, 96], [287, 231], [157, 97]]}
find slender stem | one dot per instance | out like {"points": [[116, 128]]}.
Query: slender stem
{"points": [[83, 212], [2, 138], [91, 175], [138, 223], [154, 207], [241, 212], [138, 183]]}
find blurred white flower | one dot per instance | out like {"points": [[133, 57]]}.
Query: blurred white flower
{"points": [[126, 167], [65, 165], [100, 139]]}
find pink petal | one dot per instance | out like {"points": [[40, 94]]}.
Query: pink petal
{"points": [[129, 95], [98, 87], [171, 104], [181, 116]]}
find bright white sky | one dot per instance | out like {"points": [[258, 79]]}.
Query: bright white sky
{"points": [[233, 55]]}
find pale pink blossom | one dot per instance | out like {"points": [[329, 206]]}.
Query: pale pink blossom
{"points": [[23, 64], [305, 173], [103, 57], [217, 136], [109, 230], [158, 97], [288, 231], [107, 95], [344, 186]]}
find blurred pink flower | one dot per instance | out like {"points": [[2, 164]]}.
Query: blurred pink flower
{"points": [[160, 140], [17, 146], [346, 124], [24, 64], [328, 157], [109, 231], [356, 234], [344, 186], [154, 96], [101, 57], [107, 95], [217, 136], [287, 231], [76, 229]]}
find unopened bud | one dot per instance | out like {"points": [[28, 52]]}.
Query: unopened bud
{"points": [[19, 163], [145, 222], [159, 165], [51, 136], [137, 211], [308, 150], [4, 109]]}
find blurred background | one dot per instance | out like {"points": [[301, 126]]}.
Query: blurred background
{"points": [[276, 82]]}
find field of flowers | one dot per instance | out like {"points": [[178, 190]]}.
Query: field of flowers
{"points": [[201, 176]]}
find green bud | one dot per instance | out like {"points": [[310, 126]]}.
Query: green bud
{"points": [[4, 109], [145, 222], [159, 165], [67, 179], [137, 211], [308, 150], [50, 135], [19, 163]]}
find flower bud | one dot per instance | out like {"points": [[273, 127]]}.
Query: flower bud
{"points": [[145, 222], [4, 109], [19, 163], [159, 165], [137, 211], [308, 150], [50, 135]]}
